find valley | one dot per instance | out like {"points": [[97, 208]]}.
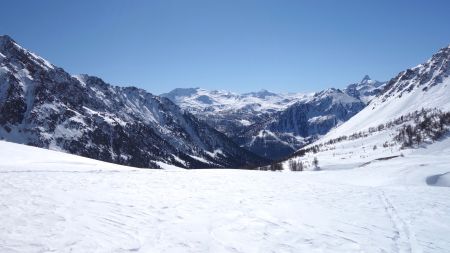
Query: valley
{"points": [[224, 126]]}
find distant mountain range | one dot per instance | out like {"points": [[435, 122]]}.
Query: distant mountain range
{"points": [[275, 125], [44, 106], [229, 112]]}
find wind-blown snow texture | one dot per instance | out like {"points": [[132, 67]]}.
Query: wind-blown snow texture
{"points": [[51, 201], [42, 105], [275, 125]]}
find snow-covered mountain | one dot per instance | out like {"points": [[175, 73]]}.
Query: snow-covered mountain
{"points": [[44, 106], [229, 112], [365, 90], [300, 123], [412, 111], [275, 125], [424, 86]]}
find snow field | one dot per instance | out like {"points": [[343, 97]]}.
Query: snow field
{"points": [[51, 201]]}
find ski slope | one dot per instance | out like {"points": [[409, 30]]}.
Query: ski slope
{"points": [[55, 202]]}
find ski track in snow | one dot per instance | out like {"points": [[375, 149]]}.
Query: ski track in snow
{"points": [[401, 230]]}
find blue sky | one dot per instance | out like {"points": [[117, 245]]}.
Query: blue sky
{"points": [[282, 46]]}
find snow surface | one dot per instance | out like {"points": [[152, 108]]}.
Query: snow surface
{"points": [[51, 201]]}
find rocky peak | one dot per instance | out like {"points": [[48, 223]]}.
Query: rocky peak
{"points": [[20, 57], [5, 40], [425, 75], [365, 79]]}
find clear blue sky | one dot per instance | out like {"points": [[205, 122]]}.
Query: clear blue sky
{"points": [[282, 46]]}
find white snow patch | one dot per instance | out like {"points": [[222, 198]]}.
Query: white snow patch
{"points": [[166, 166], [41, 61], [215, 153], [245, 122], [201, 159], [80, 79], [179, 159], [320, 118]]}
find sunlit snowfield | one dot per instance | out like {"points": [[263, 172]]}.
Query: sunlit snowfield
{"points": [[54, 202]]}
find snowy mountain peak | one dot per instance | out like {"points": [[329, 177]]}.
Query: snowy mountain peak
{"points": [[366, 89], [442, 57], [7, 44], [181, 92], [336, 96], [369, 81], [19, 56], [263, 93], [425, 86], [217, 101], [424, 76], [5, 39], [330, 92], [327, 91], [444, 50], [365, 79]]}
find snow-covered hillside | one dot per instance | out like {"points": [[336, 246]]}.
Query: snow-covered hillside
{"points": [[411, 112], [424, 86], [51, 201]]}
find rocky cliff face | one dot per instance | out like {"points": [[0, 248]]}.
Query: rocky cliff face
{"points": [[42, 105]]}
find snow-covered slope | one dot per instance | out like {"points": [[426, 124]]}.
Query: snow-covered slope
{"points": [[424, 86], [412, 111], [56, 202], [42, 105]]}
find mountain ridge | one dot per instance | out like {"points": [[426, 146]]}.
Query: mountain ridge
{"points": [[412, 111], [269, 123], [44, 106]]}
